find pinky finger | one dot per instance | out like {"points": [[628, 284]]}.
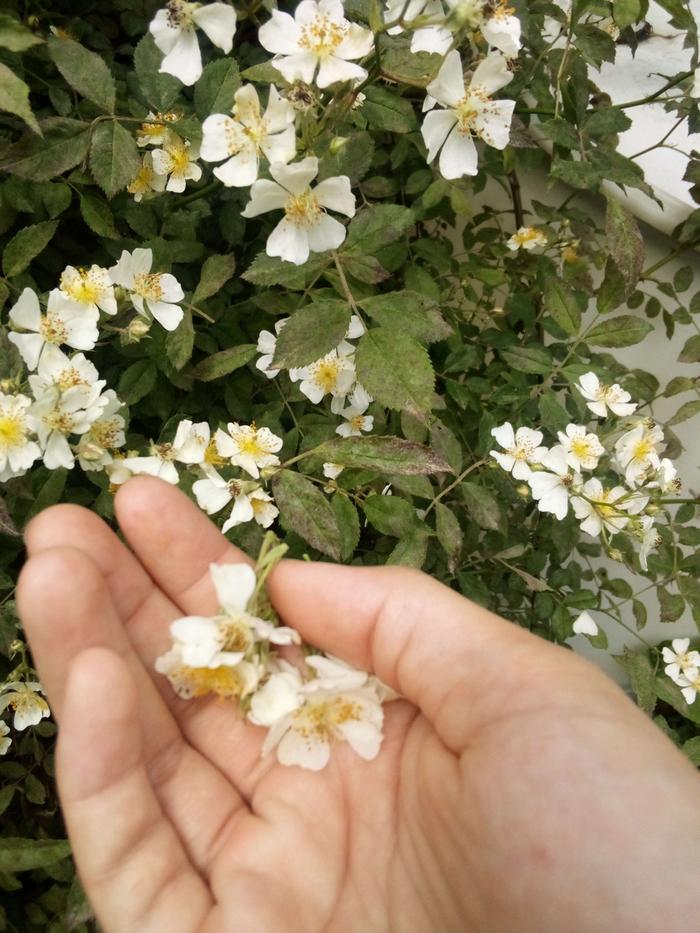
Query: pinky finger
{"points": [[132, 864]]}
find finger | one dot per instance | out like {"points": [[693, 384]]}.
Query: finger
{"points": [[131, 861], [65, 607]]}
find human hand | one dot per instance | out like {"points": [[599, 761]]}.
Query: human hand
{"points": [[517, 788]]}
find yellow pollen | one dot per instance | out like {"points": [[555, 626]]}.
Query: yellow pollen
{"points": [[82, 286], [199, 681], [467, 110], [60, 421], [326, 374], [523, 451], [527, 235], [52, 329], [212, 455], [357, 422], [148, 285], [581, 448], [321, 718], [303, 210], [642, 449], [12, 431], [70, 377], [180, 158], [105, 433], [323, 36], [238, 636], [143, 181], [250, 445]]}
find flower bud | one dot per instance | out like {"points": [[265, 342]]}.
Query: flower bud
{"points": [[469, 13], [523, 490], [268, 472], [653, 509], [497, 311], [615, 554], [337, 144], [92, 451], [137, 329], [16, 646], [8, 386]]}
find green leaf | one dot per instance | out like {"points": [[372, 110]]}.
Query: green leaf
{"points": [[613, 288], [306, 511], [534, 359], [686, 411], [14, 97], [159, 90], [390, 515], [98, 216], [449, 534], [56, 197], [266, 270], [214, 91], [576, 174], [25, 245], [396, 370], [400, 64], [408, 311], [691, 749], [180, 342], [554, 416], [671, 605], [386, 455], [86, 72], [34, 790], [561, 302], [670, 693], [14, 36], [137, 381], [606, 121], [625, 242], [353, 158], [216, 272], [411, 551], [114, 157], [482, 506], [560, 132], [373, 227], [691, 350], [311, 333], [50, 492], [642, 678], [626, 12], [621, 331], [385, 109], [223, 362], [26, 854], [64, 144], [6, 795], [348, 524], [264, 73]]}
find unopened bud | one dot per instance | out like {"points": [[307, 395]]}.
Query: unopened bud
{"points": [[337, 144], [16, 646], [652, 509], [498, 311], [92, 451], [137, 329], [615, 554], [268, 472], [8, 386], [523, 490], [469, 13]]}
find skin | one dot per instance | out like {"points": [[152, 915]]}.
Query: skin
{"points": [[517, 789]]}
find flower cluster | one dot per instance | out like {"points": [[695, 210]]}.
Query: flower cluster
{"points": [[683, 667], [603, 505], [234, 655], [172, 161]]}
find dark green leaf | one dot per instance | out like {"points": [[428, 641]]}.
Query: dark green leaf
{"points": [[25, 245], [214, 91], [64, 144], [98, 216], [606, 121], [305, 510], [310, 333], [373, 227], [686, 411], [396, 370], [400, 64], [159, 90], [224, 362], [390, 515], [671, 605], [266, 270], [482, 506], [534, 359], [353, 158], [14, 97], [348, 524], [137, 381], [409, 311], [626, 12], [385, 109], [114, 157], [642, 678], [691, 350], [691, 749], [386, 455], [561, 302], [576, 174], [621, 331], [26, 854], [34, 790], [216, 272], [554, 416], [411, 551], [6, 795], [85, 71], [50, 493], [449, 534], [179, 342], [625, 242]]}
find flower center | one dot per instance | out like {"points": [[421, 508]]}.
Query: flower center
{"points": [[179, 14], [199, 681], [237, 635], [61, 421], [319, 719], [12, 431], [53, 329], [82, 286], [522, 451], [212, 455], [69, 377], [581, 448], [467, 110], [642, 449], [180, 159], [143, 181], [303, 210], [357, 422], [148, 285], [528, 235], [249, 444], [105, 433], [323, 36], [326, 372]]}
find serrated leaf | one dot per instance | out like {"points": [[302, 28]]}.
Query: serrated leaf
{"points": [[386, 455], [577, 174], [264, 73], [385, 109], [670, 693], [390, 515], [626, 12], [26, 245], [216, 272], [352, 159], [137, 381], [266, 270], [180, 342], [400, 64], [671, 605], [411, 551], [223, 362], [34, 790], [691, 350], [114, 157], [64, 145], [56, 197], [533, 359], [482, 506], [14, 98], [622, 331], [98, 216], [26, 854], [409, 311], [449, 534], [396, 370], [306, 511], [214, 91], [375, 226], [348, 524], [14, 36], [561, 302], [86, 72], [625, 242], [554, 416], [159, 90], [310, 333]]}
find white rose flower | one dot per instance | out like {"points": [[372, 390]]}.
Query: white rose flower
{"points": [[230, 681], [333, 374], [243, 138], [191, 442], [214, 493], [159, 463], [469, 112], [356, 421], [267, 343], [436, 38], [65, 322], [146, 180], [248, 447], [318, 44], [502, 30], [235, 585], [583, 450], [176, 161], [105, 435], [151, 293], [690, 686], [522, 447], [586, 625], [18, 450], [552, 486], [666, 479], [55, 419], [4, 741], [58, 372], [279, 696], [92, 288], [602, 397], [637, 452], [680, 661], [173, 30], [200, 642], [602, 507], [332, 470], [306, 226], [24, 699], [651, 539], [527, 238]]}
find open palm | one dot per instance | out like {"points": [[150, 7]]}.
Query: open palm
{"points": [[501, 799]]}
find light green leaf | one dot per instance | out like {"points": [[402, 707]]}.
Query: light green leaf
{"points": [[622, 331], [264, 73], [408, 311], [223, 362], [65, 143], [449, 534], [159, 90], [577, 174], [114, 157], [482, 506], [26, 245], [396, 370], [305, 510], [390, 515], [626, 12], [86, 72], [14, 36], [411, 550], [686, 411], [534, 359], [180, 342], [14, 97], [385, 109], [562, 304], [137, 381], [216, 272], [311, 333], [214, 91], [625, 242], [27, 854], [98, 216], [375, 227], [386, 455], [691, 350]]}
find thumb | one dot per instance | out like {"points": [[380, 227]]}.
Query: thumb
{"points": [[131, 862]]}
